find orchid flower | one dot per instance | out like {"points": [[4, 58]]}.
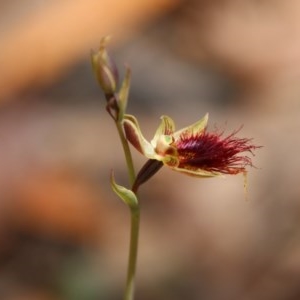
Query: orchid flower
{"points": [[192, 150]]}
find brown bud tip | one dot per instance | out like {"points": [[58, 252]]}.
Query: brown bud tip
{"points": [[105, 68]]}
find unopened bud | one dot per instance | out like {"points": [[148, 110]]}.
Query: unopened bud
{"points": [[105, 68]]}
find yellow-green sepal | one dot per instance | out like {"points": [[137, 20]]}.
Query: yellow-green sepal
{"points": [[124, 93], [126, 195], [193, 129], [196, 172]]}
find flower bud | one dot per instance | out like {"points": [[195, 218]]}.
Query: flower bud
{"points": [[105, 68]]}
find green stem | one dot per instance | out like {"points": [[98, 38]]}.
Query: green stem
{"points": [[135, 220], [128, 157], [132, 260]]}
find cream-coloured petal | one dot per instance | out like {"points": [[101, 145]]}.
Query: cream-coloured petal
{"points": [[135, 137], [196, 173], [193, 129], [165, 128], [163, 145]]}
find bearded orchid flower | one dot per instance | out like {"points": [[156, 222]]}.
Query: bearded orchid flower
{"points": [[192, 150]]}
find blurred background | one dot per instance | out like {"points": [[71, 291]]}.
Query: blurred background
{"points": [[63, 233]]}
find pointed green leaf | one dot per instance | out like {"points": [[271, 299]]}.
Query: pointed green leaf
{"points": [[126, 195]]}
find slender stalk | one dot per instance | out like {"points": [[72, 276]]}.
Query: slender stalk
{"points": [[128, 157], [135, 220], [132, 259], [107, 76]]}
